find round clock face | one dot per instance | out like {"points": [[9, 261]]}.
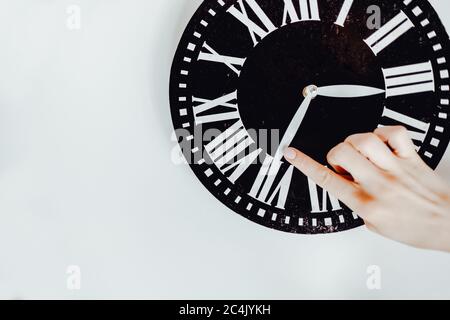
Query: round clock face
{"points": [[236, 89]]}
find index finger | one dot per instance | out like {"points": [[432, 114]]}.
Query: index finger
{"points": [[338, 186]]}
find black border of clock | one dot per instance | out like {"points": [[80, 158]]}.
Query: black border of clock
{"points": [[213, 24]]}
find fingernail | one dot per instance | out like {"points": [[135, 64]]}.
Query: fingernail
{"points": [[290, 154]]}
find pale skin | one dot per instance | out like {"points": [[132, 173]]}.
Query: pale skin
{"points": [[380, 176]]}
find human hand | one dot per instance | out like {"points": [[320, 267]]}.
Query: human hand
{"points": [[380, 176]]}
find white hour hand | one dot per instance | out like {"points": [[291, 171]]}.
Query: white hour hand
{"points": [[348, 91]]}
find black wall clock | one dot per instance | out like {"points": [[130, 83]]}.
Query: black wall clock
{"points": [[237, 81]]}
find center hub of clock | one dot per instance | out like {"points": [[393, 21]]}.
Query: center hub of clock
{"points": [[307, 56], [311, 91]]}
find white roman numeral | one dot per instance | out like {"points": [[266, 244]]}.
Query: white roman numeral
{"points": [[209, 54], [254, 29], [205, 105], [241, 165], [229, 145], [315, 202], [344, 12], [388, 33], [409, 79], [421, 128], [264, 183], [309, 11]]}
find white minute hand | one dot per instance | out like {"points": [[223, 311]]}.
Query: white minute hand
{"points": [[348, 91], [292, 129]]}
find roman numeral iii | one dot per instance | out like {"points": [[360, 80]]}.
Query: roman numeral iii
{"points": [[388, 33], [409, 79], [255, 28]]}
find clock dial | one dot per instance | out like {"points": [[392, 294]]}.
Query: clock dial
{"points": [[251, 77]]}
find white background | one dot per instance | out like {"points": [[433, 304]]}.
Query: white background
{"points": [[86, 177]]}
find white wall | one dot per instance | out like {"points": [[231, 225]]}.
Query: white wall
{"points": [[86, 177]]}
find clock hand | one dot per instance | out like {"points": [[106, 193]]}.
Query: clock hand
{"points": [[348, 91], [309, 93]]}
